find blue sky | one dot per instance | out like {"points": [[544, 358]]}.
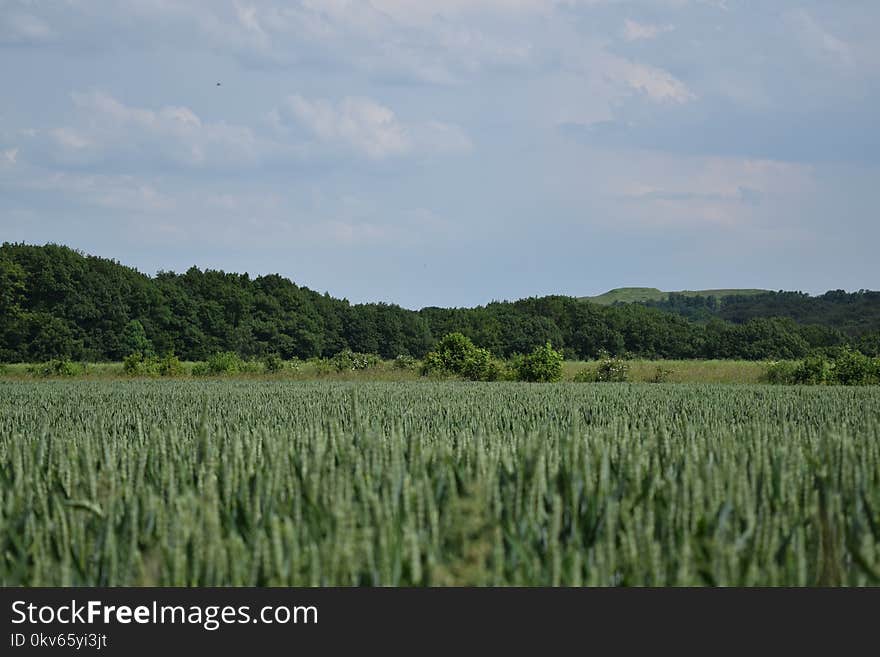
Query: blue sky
{"points": [[429, 152]]}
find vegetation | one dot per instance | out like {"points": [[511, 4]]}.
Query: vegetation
{"points": [[456, 355], [57, 367], [157, 482], [56, 303], [543, 365], [610, 369], [643, 294], [848, 368], [139, 365]]}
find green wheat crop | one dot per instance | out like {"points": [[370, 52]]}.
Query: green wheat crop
{"points": [[287, 483]]}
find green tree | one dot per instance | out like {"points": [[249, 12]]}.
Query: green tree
{"points": [[544, 364]]}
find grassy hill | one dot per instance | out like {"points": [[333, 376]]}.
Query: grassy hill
{"points": [[636, 294]]}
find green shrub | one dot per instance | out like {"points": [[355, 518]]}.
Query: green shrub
{"points": [[273, 363], [814, 370], [57, 367], [661, 374], [852, 368], [455, 354], [544, 364], [321, 365], [612, 369], [137, 364], [170, 365], [222, 363], [133, 364], [351, 361], [781, 372], [586, 375], [405, 362], [849, 368]]}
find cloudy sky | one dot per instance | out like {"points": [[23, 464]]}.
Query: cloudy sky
{"points": [[450, 152]]}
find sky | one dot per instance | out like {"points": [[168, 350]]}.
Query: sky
{"points": [[450, 152]]}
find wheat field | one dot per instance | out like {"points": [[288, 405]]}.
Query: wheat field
{"points": [[198, 483]]}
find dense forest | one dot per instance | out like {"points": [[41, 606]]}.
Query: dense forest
{"points": [[56, 302], [853, 313]]}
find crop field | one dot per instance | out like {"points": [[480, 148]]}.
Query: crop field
{"points": [[198, 483]]}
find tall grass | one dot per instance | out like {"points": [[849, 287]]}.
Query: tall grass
{"points": [[287, 483]]}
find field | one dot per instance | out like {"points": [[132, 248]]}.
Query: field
{"points": [[192, 483], [640, 371]]}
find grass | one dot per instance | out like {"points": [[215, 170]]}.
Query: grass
{"points": [[277, 483], [682, 371], [679, 371], [637, 294]]}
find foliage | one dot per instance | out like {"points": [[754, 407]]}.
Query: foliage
{"points": [[544, 364], [852, 368], [134, 339], [351, 361], [611, 369], [58, 303], [586, 375], [848, 367], [455, 354], [781, 372], [301, 484], [661, 374], [405, 362], [57, 367], [225, 363], [273, 363], [137, 364]]}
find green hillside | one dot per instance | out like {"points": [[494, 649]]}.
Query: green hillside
{"points": [[637, 294]]}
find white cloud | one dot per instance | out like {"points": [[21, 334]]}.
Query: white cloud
{"points": [[69, 138], [820, 41], [373, 129], [680, 190], [362, 123], [18, 27], [634, 31], [110, 129], [9, 156], [657, 84]]}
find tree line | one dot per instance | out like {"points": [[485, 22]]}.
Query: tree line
{"points": [[56, 302]]}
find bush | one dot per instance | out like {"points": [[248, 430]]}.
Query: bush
{"points": [[612, 369], [852, 368], [405, 362], [661, 374], [849, 368], [273, 363], [351, 361], [814, 370], [137, 364], [225, 362], [455, 354], [586, 375], [57, 367], [170, 365], [781, 372], [544, 364]]}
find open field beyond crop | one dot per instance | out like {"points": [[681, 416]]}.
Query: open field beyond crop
{"points": [[675, 371], [274, 483]]}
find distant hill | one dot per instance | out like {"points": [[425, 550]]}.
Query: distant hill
{"points": [[642, 294]]}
